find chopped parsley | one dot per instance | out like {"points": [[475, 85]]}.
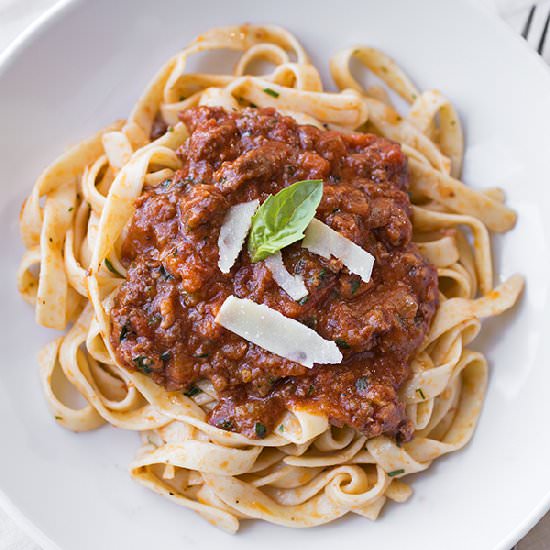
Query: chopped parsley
{"points": [[124, 331], [260, 430], [201, 355], [143, 364], [192, 391], [154, 319], [165, 356], [310, 322], [355, 286], [165, 273], [271, 92], [111, 267], [281, 428], [342, 344], [396, 472], [310, 390], [303, 300], [361, 384], [421, 393], [59, 418], [225, 424], [70, 209]]}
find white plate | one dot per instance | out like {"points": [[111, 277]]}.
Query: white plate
{"points": [[84, 67]]}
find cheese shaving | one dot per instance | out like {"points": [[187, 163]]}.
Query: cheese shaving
{"points": [[276, 333], [293, 285], [321, 239], [233, 232]]}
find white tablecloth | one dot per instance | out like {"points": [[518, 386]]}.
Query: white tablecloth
{"points": [[15, 15]]}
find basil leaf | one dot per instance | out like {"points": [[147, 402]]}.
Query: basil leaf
{"points": [[282, 218]]}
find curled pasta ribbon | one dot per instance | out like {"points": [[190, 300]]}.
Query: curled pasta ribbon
{"points": [[306, 472], [423, 113], [376, 61]]}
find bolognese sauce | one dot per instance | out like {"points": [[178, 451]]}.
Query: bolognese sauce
{"points": [[163, 318]]}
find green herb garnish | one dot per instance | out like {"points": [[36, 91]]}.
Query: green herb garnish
{"points": [[310, 390], [342, 344], [310, 322], [165, 356], [355, 286], [124, 331], [201, 355], [192, 391], [281, 428], [111, 267], [362, 384], [271, 92], [260, 430], [396, 472], [420, 393], [282, 219], [154, 319], [143, 364], [225, 424], [165, 273], [303, 300]]}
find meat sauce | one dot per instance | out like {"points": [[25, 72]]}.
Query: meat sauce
{"points": [[163, 319]]}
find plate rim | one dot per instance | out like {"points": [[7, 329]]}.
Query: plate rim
{"points": [[56, 12]]}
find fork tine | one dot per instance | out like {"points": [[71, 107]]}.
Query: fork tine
{"points": [[542, 40], [527, 27]]}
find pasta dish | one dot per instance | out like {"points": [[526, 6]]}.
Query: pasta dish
{"points": [[274, 284]]}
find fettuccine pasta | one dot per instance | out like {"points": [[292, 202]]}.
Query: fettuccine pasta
{"points": [[307, 472]]}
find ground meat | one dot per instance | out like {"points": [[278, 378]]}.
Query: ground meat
{"points": [[163, 316]]}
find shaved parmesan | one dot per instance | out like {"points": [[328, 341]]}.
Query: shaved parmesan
{"points": [[233, 232], [276, 333], [293, 285], [321, 239]]}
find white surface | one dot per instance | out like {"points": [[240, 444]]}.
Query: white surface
{"points": [[85, 68]]}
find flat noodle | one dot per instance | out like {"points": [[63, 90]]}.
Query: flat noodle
{"points": [[306, 472]]}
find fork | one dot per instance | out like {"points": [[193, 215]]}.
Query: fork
{"points": [[527, 28]]}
